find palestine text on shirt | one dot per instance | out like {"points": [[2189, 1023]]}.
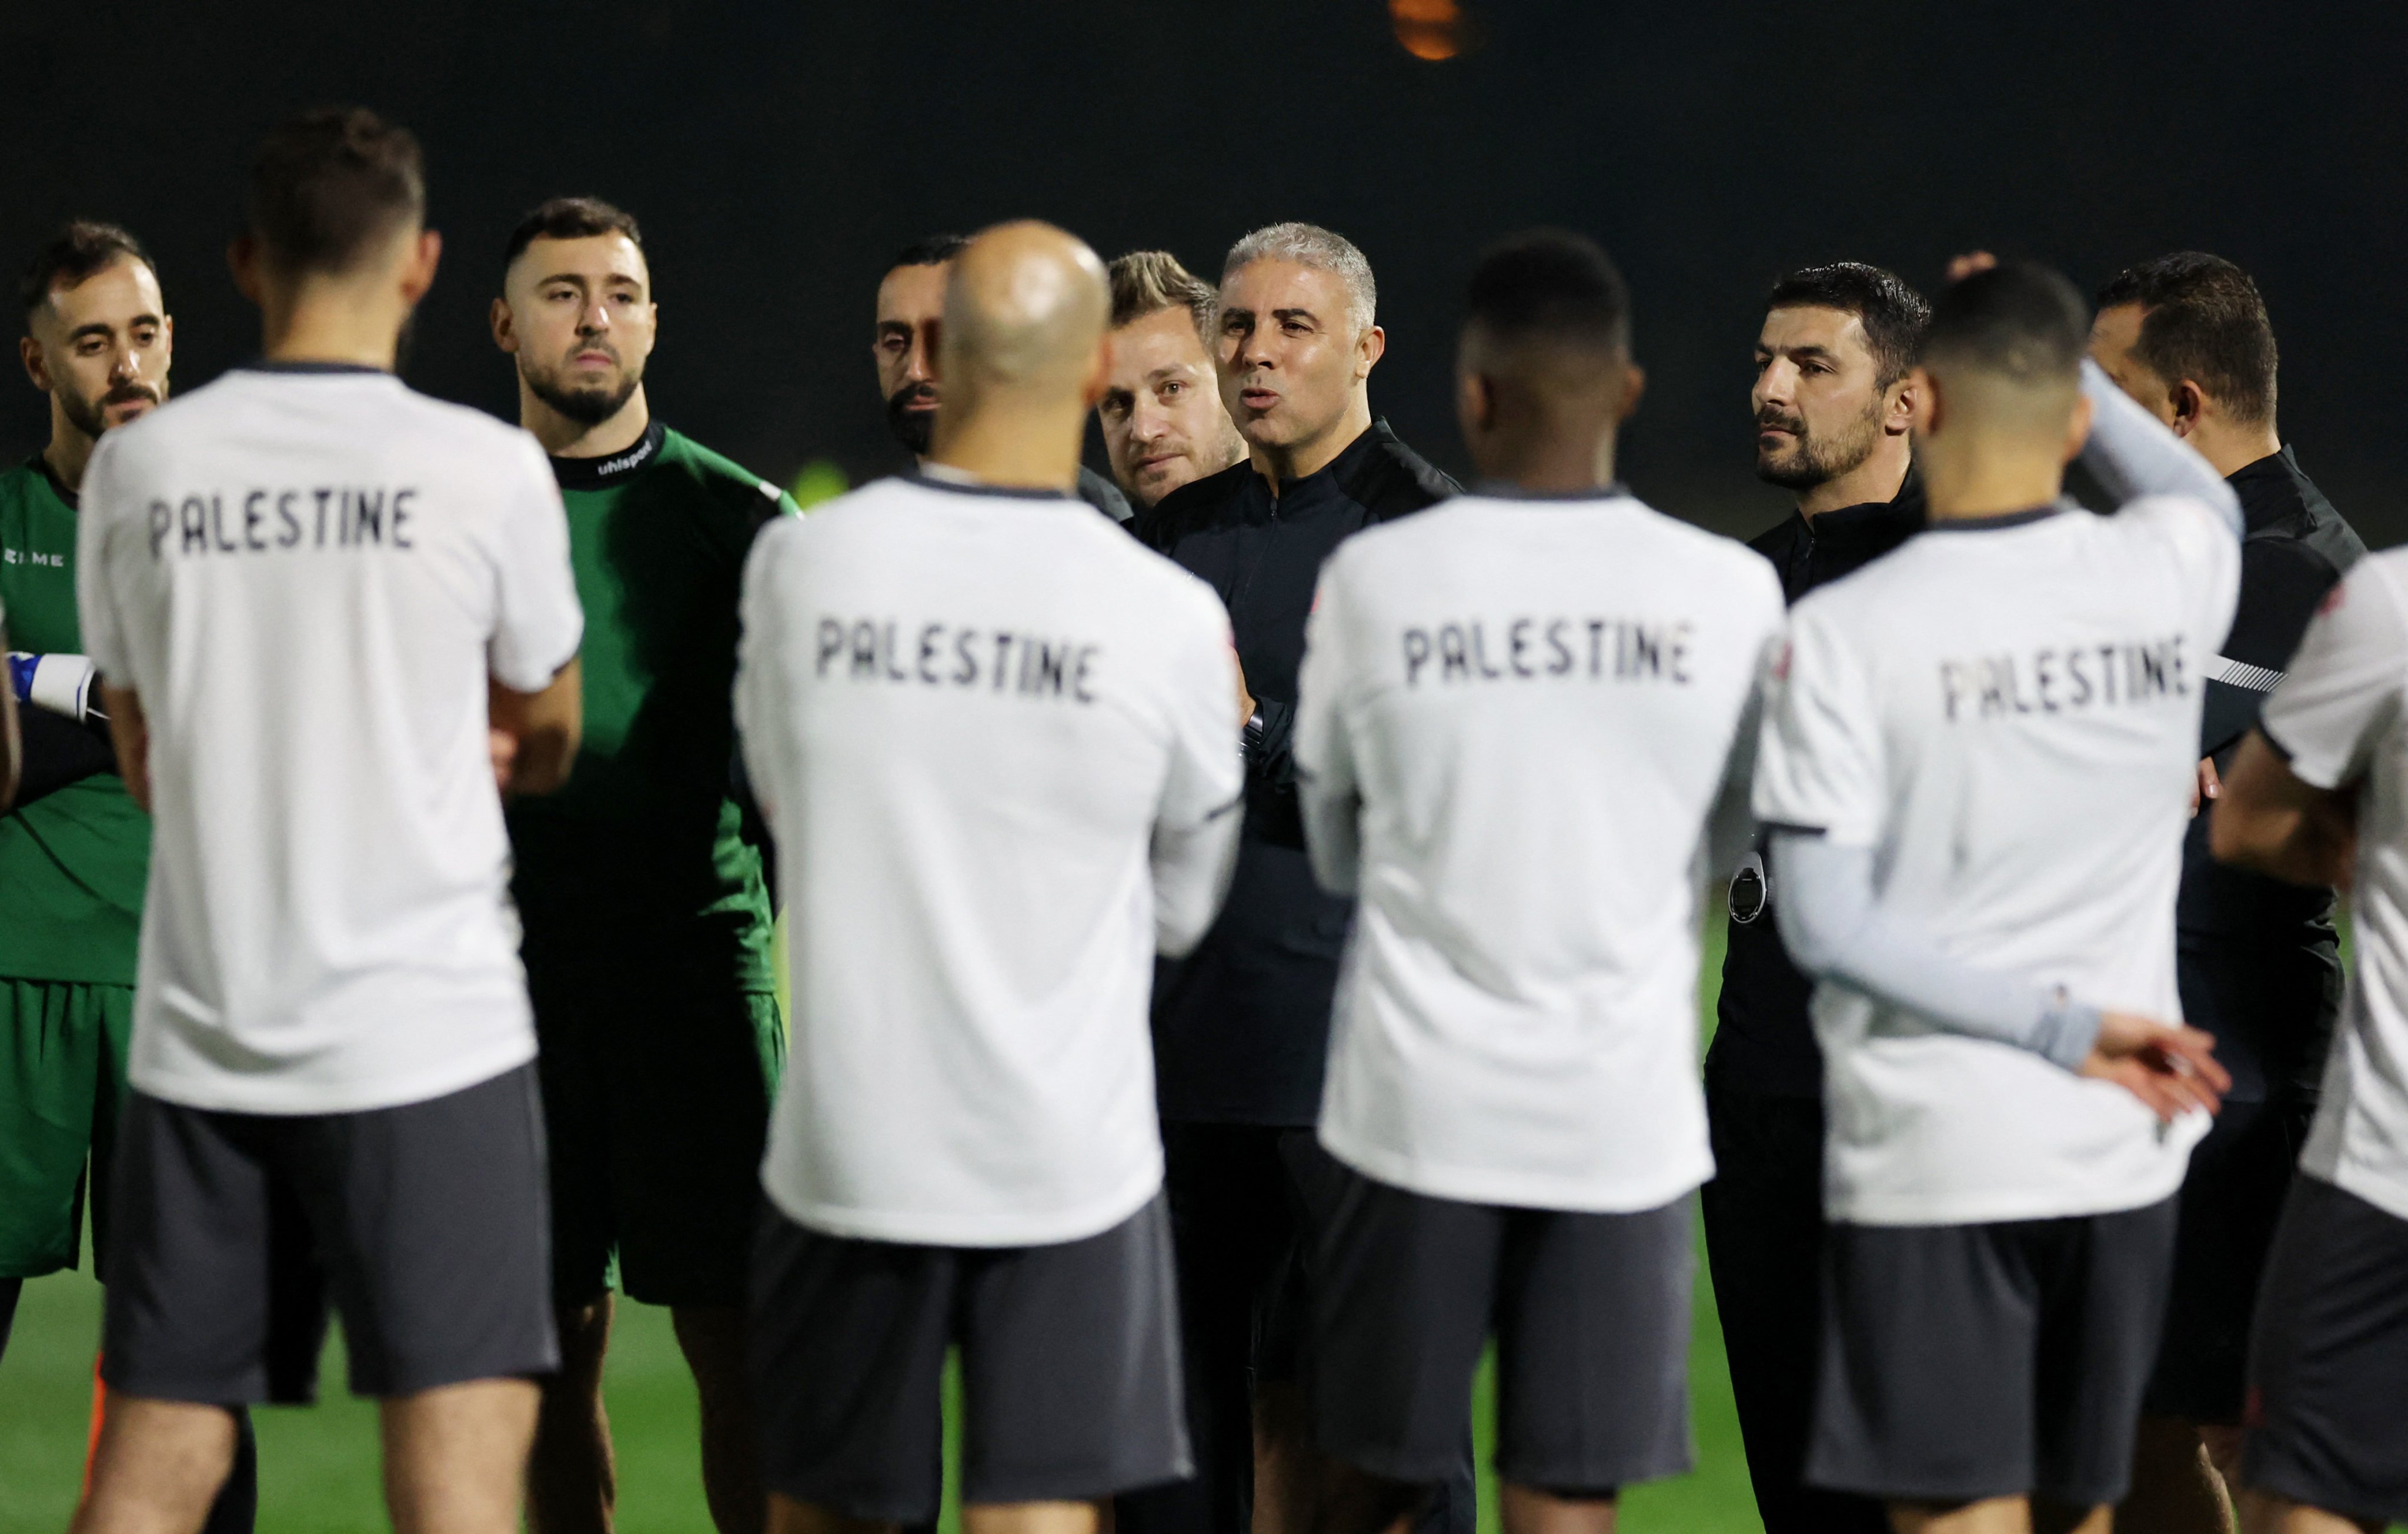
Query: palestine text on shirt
{"points": [[2006, 710], [996, 738], [1537, 702], [307, 573]]}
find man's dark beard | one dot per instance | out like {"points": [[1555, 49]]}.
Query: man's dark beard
{"points": [[912, 427], [91, 418], [1818, 460], [586, 407]]}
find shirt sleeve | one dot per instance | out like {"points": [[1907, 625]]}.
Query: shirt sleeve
{"points": [[1819, 764], [97, 612], [2344, 688], [537, 622], [1195, 845], [759, 644], [1329, 796]]}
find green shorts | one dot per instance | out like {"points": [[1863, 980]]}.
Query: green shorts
{"points": [[61, 1082], [656, 1093]]}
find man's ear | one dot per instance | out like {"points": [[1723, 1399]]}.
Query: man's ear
{"points": [[1634, 384], [36, 368], [2189, 403], [505, 333], [418, 268], [2078, 427], [1369, 348], [242, 261], [1922, 399], [1475, 403], [1897, 416], [1100, 373]]}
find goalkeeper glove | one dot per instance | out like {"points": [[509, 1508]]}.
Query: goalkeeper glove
{"points": [[64, 684]]}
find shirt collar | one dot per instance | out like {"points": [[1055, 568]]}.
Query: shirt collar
{"points": [[263, 364], [2270, 489], [1506, 490], [2003, 519], [946, 477], [613, 469], [49, 476]]}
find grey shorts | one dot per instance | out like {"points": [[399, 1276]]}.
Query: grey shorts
{"points": [[2329, 1358], [1069, 1367], [1964, 1362], [1591, 1316], [426, 1223]]}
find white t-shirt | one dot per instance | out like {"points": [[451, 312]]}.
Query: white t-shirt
{"points": [[998, 741], [2007, 713], [2338, 715], [307, 575], [1537, 701]]}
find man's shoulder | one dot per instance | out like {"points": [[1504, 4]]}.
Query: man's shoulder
{"points": [[717, 479], [1394, 480], [1194, 506]]}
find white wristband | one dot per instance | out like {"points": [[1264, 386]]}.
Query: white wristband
{"points": [[64, 684]]}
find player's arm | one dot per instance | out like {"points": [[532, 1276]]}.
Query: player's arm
{"points": [[1836, 928], [130, 732], [2131, 454], [1194, 853], [11, 744], [2271, 820], [1328, 799], [536, 735]]}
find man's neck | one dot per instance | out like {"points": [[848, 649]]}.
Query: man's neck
{"points": [[69, 451], [1554, 466], [2232, 449], [1295, 460], [358, 326], [1025, 449], [563, 436], [1963, 485], [1879, 477]]}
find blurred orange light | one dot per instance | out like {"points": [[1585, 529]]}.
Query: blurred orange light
{"points": [[1428, 29]]}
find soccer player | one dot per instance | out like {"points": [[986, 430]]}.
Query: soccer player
{"points": [[1243, 1025], [1163, 420], [647, 917], [1832, 402], [1977, 761], [998, 741], [296, 583], [911, 304], [98, 340], [2186, 336], [1521, 712], [2316, 797]]}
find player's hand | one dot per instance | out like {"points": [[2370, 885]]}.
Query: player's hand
{"points": [[1971, 262], [504, 747], [2206, 787], [1246, 698], [2172, 1068]]}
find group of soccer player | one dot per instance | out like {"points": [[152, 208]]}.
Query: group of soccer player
{"points": [[1238, 970]]}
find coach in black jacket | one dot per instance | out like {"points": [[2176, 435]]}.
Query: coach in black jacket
{"points": [[2258, 960], [1241, 1026], [1832, 411]]}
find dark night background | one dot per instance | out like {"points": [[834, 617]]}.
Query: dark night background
{"points": [[777, 154]]}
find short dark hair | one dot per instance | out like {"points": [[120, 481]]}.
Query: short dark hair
{"points": [[74, 254], [570, 218], [2204, 321], [934, 250], [1893, 315], [2018, 320], [1149, 281], [1549, 284], [328, 184]]}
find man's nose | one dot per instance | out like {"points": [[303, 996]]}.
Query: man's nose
{"points": [[595, 320], [919, 365], [1776, 385]]}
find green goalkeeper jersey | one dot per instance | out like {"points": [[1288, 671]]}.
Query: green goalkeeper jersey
{"points": [[641, 856], [73, 864]]}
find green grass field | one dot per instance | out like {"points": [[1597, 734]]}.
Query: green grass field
{"points": [[318, 1465]]}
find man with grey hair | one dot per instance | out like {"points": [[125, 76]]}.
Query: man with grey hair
{"points": [[1163, 420], [1241, 1026]]}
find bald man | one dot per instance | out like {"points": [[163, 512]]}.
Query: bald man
{"points": [[966, 1150]]}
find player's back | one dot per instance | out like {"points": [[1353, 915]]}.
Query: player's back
{"points": [[965, 710], [2025, 697], [306, 575], [1536, 700]]}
